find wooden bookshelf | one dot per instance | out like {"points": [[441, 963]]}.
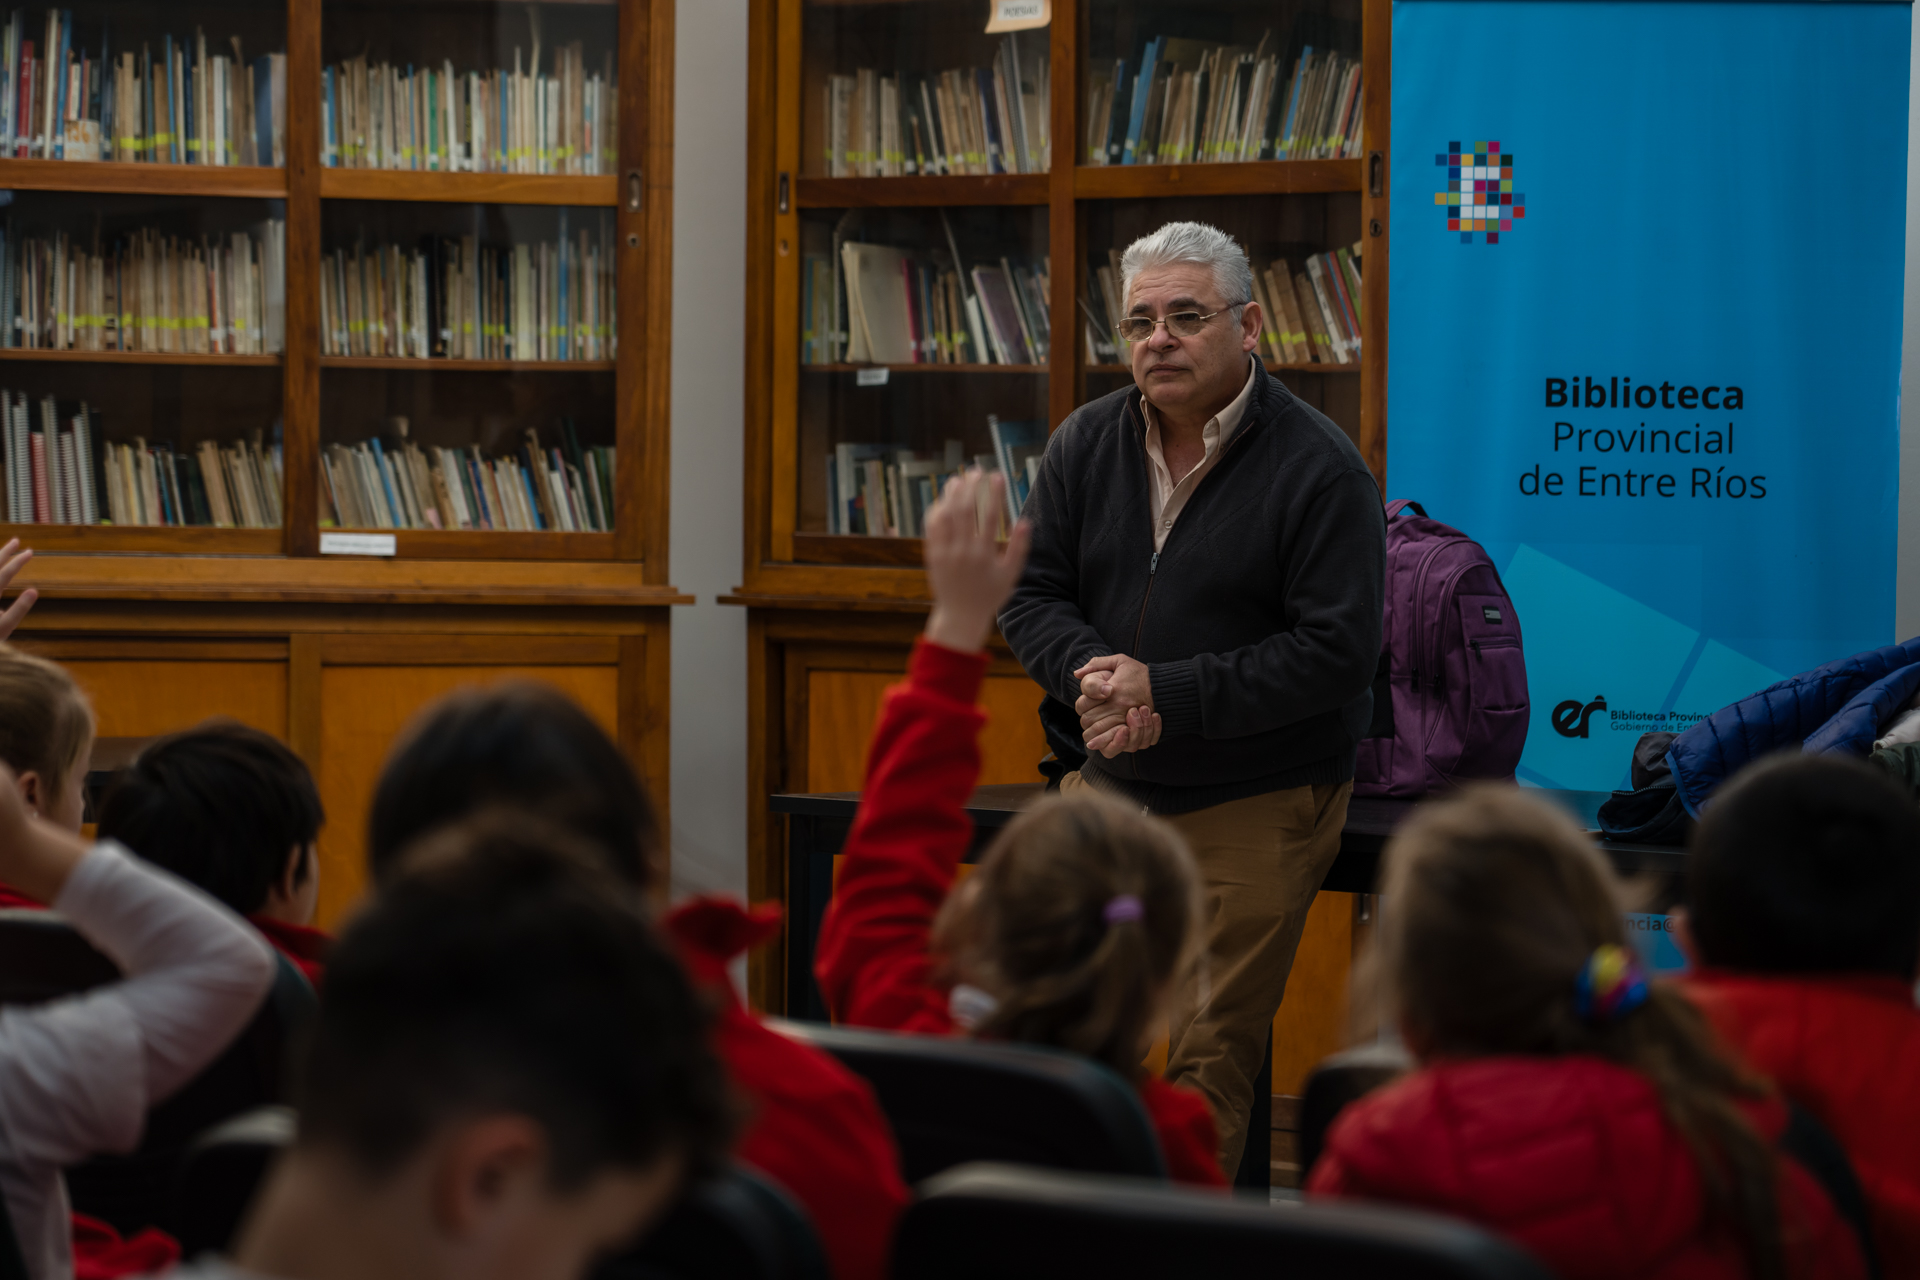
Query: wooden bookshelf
{"points": [[470, 188], [399, 364], [832, 617], [166, 626], [119, 178], [31, 355]]}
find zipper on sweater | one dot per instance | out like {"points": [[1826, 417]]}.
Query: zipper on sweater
{"points": [[1153, 566]]}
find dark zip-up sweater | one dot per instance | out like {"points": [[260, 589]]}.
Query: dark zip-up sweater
{"points": [[1259, 619]]}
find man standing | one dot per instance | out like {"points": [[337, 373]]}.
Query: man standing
{"points": [[1205, 591]]}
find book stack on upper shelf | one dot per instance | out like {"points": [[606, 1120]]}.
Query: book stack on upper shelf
{"points": [[528, 119], [90, 95], [58, 471], [146, 291], [1187, 101], [399, 485], [969, 120], [454, 298], [868, 303]]}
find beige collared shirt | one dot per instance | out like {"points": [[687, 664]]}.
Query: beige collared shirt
{"points": [[1170, 499]]}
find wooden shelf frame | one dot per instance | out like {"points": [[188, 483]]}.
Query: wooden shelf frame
{"points": [[782, 560], [601, 190], [113, 177]]}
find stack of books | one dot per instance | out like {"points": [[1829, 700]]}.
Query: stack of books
{"points": [[883, 491], [178, 102], [399, 485], [1189, 101], [524, 120], [53, 475], [969, 120], [458, 299], [877, 304], [147, 291], [1310, 316]]}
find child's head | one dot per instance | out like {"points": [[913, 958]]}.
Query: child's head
{"points": [[1808, 864], [506, 1053], [228, 808], [1501, 932], [519, 744], [46, 735], [1077, 924]]}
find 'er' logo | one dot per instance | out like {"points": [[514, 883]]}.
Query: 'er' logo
{"points": [[1570, 718]]}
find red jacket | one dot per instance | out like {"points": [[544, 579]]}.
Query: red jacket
{"points": [[814, 1127], [874, 961], [1846, 1048], [307, 948], [1574, 1159]]}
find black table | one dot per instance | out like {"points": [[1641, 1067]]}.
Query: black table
{"points": [[817, 825]]}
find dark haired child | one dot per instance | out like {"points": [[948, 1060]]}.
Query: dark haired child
{"points": [[1803, 917], [235, 811], [509, 1075], [78, 1075], [813, 1126], [1078, 921], [1563, 1100]]}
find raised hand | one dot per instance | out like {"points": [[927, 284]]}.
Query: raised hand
{"points": [[14, 558], [970, 573]]}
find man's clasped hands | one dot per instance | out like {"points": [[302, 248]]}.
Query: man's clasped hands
{"points": [[1116, 705]]}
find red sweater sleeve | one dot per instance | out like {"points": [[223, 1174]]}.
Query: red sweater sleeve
{"points": [[873, 960], [1187, 1137]]}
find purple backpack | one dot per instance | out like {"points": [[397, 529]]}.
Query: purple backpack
{"points": [[1450, 703]]}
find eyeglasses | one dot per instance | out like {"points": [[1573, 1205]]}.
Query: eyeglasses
{"points": [[1181, 324]]}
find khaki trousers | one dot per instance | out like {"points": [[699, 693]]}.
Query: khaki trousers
{"points": [[1261, 861]]}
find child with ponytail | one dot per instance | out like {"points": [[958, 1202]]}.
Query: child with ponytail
{"points": [[1564, 1100], [1077, 922]]}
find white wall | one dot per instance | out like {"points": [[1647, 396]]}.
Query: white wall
{"points": [[1907, 572], [709, 286]]}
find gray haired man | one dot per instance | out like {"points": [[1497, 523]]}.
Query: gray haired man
{"points": [[1203, 607]]}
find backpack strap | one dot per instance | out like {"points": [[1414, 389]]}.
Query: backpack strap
{"points": [[1398, 505], [1814, 1148]]}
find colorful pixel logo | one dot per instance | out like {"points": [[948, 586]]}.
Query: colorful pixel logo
{"points": [[1479, 199]]}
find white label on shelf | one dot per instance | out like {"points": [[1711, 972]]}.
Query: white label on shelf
{"points": [[1018, 15], [357, 544], [871, 377]]}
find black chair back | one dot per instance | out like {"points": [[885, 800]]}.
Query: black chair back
{"points": [[951, 1101], [737, 1226], [221, 1172], [1339, 1080], [1033, 1224], [43, 957]]}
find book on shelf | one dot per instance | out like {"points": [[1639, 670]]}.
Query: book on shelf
{"points": [[556, 117], [968, 120], [1017, 450], [1185, 101], [453, 297], [59, 471], [145, 291], [880, 304], [67, 95], [397, 484]]}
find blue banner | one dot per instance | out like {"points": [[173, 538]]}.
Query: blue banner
{"points": [[1645, 314]]}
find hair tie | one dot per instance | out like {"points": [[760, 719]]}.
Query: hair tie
{"points": [[1123, 908], [1611, 985]]}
